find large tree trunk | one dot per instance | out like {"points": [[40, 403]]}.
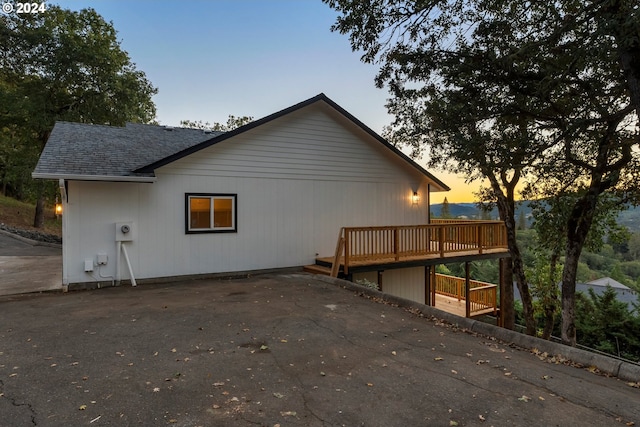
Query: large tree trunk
{"points": [[579, 223], [506, 207], [38, 219], [551, 300]]}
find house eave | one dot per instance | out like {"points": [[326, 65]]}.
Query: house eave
{"points": [[104, 178]]}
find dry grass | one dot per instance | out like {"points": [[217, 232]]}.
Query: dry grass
{"points": [[20, 215]]}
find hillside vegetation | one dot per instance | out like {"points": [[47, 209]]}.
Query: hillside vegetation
{"points": [[20, 215]]}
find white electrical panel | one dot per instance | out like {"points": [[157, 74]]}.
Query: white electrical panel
{"points": [[102, 259], [88, 265]]}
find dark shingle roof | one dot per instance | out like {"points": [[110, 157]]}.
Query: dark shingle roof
{"points": [[95, 150], [79, 151]]}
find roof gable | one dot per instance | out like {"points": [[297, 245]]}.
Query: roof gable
{"points": [[318, 98]]}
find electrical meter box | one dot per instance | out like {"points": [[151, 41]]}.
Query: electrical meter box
{"points": [[125, 231]]}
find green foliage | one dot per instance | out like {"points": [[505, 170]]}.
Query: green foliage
{"points": [[604, 323], [445, 211], [233, 122], [368, 284], [61, 65], [522, 221]]}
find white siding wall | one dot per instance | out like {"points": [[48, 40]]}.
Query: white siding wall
{"points": [[298, 180], [402, 282], [405, 282]]}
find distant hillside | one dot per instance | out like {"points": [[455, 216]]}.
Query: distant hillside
{"points": [[629, 218]]}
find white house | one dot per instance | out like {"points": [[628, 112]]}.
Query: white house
{"points": [[145, 201]]}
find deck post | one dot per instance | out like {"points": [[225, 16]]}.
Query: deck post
{"points": [[433, 286], [467, 286], [480, 239], [380, 280], [396, 244], [441, 240], [427, 285], [347, 249], [499, 319]]}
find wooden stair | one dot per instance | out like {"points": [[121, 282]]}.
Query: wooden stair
{"points": [[317, 269], [329, 269]]}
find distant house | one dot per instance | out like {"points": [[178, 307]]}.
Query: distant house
{"points": [[623, 293], [144, 201]]}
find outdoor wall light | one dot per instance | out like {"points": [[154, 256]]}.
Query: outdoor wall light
{"points": [[416, 198], [57, 207]]}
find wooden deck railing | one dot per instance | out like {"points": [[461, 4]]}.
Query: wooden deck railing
{"points": [[482, 296], [395, 243]]}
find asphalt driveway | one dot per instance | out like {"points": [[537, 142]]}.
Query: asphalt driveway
{"points": [[278, 349], [27, 267]]}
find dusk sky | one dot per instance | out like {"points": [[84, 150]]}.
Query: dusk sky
{"points": [[210, 59]]}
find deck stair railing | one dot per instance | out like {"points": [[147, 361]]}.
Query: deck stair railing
{"points": [[396, 243], [482, 296]]}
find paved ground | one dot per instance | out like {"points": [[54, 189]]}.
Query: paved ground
{"points": [[288, 350], [25, 267]]}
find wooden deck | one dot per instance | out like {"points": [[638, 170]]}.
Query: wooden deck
{"points": [[457, 307], [362, 249], [422, 259], [359, 247]]}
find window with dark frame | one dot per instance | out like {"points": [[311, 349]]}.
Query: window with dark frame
{"points": [[210, 213]]}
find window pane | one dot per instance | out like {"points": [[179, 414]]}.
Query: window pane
{"points": [[223, 213], [200, 209]]}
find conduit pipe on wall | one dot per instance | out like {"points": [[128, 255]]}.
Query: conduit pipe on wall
{"points": [[126, 258]]}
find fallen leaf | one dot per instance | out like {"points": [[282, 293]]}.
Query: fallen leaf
{"points": [[288, 413], [438, 358], [481, 418], [524, 398], [173, 350], [393, 352], [540, 398], [369, 384], [264, 347], [156, 389], [283, 341], [278, 395], [82, 407], [453, 423], [453, 371]]}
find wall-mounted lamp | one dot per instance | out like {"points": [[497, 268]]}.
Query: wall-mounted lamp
{"points": [[57, 209], [416, 198]]}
